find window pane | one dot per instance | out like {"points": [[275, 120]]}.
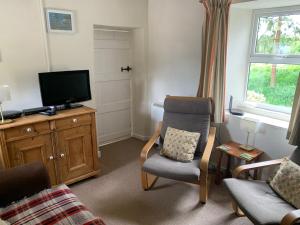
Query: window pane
{"points": [[272, 84], [279, 35]]}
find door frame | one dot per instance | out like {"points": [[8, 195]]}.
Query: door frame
{"points": [[119, 29]]}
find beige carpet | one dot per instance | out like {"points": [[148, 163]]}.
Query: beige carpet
{"points": [[117, 197]]}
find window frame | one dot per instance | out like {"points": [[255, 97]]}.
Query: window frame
{"points": [[254, 57]]}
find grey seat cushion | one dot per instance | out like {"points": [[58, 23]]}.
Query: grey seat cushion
{"points": [[258, 201], [163, 167]]}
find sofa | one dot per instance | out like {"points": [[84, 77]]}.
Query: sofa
{"points": [[26, 197]]}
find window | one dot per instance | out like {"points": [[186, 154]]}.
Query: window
{"points": [[274, 62]]}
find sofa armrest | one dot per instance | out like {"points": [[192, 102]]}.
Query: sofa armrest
{"points": [[19, 182], [291, 218], [255, 166]]}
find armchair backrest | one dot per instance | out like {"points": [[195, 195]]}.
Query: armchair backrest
{"points": [[295, 157], [188, 113]]}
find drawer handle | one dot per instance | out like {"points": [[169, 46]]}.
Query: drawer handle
{"points": [[28, 129], [75, 120], [62, 155], [51, 157]]}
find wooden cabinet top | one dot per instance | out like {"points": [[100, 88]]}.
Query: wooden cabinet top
{"points": [[41, 118]]}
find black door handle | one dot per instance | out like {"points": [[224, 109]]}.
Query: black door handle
{"points": [[127, 69]]}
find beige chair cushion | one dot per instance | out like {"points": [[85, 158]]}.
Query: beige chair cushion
{"points": [[286, 182], [180, 145]]}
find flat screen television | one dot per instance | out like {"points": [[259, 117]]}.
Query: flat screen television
{"points": [[64, 87]]}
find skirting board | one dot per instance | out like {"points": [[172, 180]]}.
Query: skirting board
{"points": [[140, 137], [137, 136], [115, 140]]}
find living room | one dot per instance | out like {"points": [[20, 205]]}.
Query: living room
{"points": [[136, 53]]}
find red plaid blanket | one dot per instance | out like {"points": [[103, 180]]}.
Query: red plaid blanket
{"points": [[52, 206]]}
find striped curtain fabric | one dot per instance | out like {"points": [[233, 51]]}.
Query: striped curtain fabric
{"points": [[214, 53], [293, 134]]}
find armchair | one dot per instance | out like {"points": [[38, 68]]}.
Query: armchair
{"points": [[187, 113], [258, 201]]}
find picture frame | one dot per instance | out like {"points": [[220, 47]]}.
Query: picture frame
{"points": [[60, 21]]}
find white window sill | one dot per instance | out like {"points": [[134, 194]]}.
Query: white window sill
{"points": [[276, 122], [263, 119]]}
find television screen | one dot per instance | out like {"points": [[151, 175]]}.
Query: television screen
{"points": [[64, 87]]}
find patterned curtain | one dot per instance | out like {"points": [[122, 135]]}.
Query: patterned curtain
{"points": [[214, 53], [294, 127]]}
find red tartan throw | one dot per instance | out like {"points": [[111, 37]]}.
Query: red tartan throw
{"points": [[52, 206]]}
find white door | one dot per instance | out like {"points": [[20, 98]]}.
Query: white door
{"points": [[112, 51]]}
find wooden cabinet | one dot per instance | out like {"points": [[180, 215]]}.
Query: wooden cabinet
{"points": [[65, 143], [76, 152]]}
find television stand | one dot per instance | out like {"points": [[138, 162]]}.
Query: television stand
{"points": [[73, 106], [68, 106]]}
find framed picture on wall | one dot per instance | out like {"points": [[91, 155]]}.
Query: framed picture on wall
{"points": [[60, 21]]}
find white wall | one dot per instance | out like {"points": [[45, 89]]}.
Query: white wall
{"points": [[273, 139], [174, 65], [174, 47], [22, 44], [240, 23], [173, 61], [76, 51], [140, 110], [22, 52]]}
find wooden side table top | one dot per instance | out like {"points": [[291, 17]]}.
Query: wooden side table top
{"points": [[236, 151]]}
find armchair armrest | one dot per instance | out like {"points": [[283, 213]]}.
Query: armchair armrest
{"points": [[21, 181], [253, 166], [291, 218], [146, 149], [208, 149]]}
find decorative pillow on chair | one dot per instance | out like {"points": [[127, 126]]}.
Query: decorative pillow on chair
{"points": [[286, 182], [180, 144]]}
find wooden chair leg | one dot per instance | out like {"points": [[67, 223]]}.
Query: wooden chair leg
{"points": [[148, 180], [237, 210], [203, 187]]}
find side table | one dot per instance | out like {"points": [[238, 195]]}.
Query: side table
{"points": [[235, 151]]}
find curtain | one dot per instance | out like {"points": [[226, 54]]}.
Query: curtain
{"points": [[214, 53], [294, 127]]}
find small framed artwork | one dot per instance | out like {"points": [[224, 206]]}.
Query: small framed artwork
{"points": [[60, 21]]}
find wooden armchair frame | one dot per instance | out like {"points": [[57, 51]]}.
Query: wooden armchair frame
{"points": [[148, 180], [289, 219]]}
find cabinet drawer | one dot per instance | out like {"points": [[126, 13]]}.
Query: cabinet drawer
{"points": [[25, 131], [73, 121]]}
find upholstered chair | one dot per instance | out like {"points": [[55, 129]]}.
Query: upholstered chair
{"points": [[185, 113], [257, 200]]}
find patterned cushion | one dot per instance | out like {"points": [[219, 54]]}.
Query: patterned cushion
{"points": [[52, 206], [180, 145], [286, 182]]}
